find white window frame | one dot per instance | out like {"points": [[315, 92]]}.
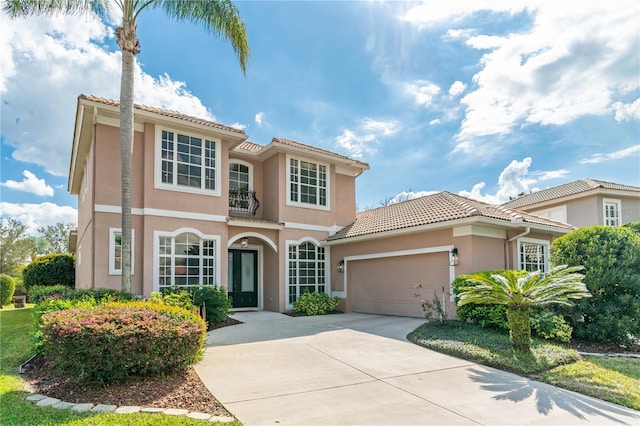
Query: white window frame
{"points": [[618, 206], [156, 252], [327, 269], [174, 186], [328, 184], [535, 241], [248, 165], [112, 247]]}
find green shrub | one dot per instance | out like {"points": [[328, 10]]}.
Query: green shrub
{"points": [[7, 288], [52, 269], [551, 327], [611, 260], [113, 342], [180, 298], [315, 304], [38, 293], [486, 316], [100, 295], [216, 303]]}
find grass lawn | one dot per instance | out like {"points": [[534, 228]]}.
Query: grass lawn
{"points": [[611, 379], [16, 346]]}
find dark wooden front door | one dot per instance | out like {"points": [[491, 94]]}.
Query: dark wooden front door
{"points": [[243, 278]]}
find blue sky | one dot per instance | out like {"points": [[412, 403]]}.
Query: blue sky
{"points": [[483, 98]]}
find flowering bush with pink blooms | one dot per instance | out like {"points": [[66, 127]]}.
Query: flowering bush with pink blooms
{"points": [[116, 341]]}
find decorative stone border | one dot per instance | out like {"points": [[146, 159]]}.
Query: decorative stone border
{"points": [[45, 401], [621, 355]]}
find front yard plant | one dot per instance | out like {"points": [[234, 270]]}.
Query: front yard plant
{"points": [[7, 288], [520, 294], [315, 304], [51, 269], [113, 342], [611, 259]]}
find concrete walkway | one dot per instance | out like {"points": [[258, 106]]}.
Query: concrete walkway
{"points": [[358, 369]]}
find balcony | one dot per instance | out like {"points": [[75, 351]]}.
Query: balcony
{"points": [[243, 201]]}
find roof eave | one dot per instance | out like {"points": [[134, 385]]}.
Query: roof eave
{"points": [[584, 194], [275, 147], [450, 224]]}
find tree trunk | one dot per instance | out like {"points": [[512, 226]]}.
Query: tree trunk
{"points": [[519, 328], [128, 42]]}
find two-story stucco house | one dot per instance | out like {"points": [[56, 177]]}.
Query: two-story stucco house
{"points": [[270, 222], [585, 202]]}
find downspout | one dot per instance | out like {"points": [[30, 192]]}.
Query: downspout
{"points": [[506, 246]]}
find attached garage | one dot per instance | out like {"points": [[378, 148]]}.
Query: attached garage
{"points": [[391, 285]]}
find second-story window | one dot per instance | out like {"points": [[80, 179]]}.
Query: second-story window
{"points": [[238, 176], [612, 212], [308, 183], [187, 161]]}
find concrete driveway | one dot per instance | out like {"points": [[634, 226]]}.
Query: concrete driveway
{"points": [[358, 369]]}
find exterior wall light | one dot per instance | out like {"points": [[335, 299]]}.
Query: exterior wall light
{"points": [[341, 266], [244, 243], [453, 257]]}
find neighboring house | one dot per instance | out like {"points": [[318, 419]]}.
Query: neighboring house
{"points": [[272, 222], [585, 202]]}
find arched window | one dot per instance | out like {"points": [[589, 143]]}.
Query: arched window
{"points": [[307, 270], [186, 260]]}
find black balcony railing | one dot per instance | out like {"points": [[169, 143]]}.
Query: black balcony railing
{"points": [[243, 201]]}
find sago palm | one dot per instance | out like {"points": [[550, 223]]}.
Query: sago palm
{"points": [[558, 286], [219, 17]]}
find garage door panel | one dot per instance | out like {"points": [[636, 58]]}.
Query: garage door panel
{"points": [[388, 285]]}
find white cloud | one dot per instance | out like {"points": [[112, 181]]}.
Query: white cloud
{"points": [[567, 63], [356, 145], [366, 138], [515, 179], [422, 92], [550, 175], [457, 88], [434, 122], [34, 216], [30, 184], [627, 112], [385, 127], [238, 125], [600, 158], [259, 118], [46, 63]]}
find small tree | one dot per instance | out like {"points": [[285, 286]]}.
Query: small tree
{"points": [[7, 288], [51, 269], [519, 295], [57, 236], [15, 247], [611, 259]]}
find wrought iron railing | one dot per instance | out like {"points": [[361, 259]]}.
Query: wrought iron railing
{"points": [[243, 201]]}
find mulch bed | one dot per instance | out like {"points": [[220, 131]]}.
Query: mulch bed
{"points": [[182, 389]]}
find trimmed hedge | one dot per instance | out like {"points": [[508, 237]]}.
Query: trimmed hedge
{"points": [[113, 342], [7, 288], [52, 269], [101, 295], [315, 304]]}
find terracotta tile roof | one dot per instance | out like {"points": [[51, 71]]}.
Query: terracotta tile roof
{"points": [[166, 113], [565, 190], [316, 150], [248, 146], [436, 208]]}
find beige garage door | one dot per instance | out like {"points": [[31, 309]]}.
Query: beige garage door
{"points": [[388, 285]]}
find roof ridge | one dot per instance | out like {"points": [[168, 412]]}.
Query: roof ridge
{"points": [[463, 202]]}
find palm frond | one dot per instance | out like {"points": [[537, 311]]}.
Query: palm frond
{"points": [[219, 17], [26, 8]]}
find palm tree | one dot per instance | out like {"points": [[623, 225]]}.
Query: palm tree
{"points": [[219, 17], [558, 286]]}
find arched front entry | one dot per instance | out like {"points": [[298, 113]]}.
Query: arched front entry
{"points": [[245, 269]]}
